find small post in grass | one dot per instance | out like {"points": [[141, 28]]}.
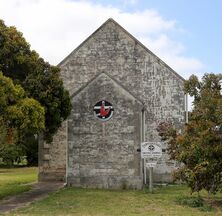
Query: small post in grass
{"points": [[151, 180], [144, 171]]}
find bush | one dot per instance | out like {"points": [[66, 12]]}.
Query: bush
{"points": [[11, 154], [194, 202]]}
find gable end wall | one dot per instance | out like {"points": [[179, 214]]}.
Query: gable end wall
{"points": [[113, 51]]}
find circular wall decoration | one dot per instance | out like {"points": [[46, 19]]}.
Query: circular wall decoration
{"points": [[103, 110]]}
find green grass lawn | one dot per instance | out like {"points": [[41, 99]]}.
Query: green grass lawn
{"points": [[12, 181], [97, 202], [170, 200]]}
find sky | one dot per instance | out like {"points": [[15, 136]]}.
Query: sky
{"points": [[185, 34]]}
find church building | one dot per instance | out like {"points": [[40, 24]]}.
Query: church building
{"points": [[120, 91]]}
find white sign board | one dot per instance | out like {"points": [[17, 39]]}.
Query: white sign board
{"points": [[151, 150], [151, 162]]}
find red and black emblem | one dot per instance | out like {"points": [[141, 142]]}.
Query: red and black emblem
{"points": [[103, 110]]}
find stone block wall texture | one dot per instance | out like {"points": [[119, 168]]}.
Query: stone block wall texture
{"points": [[116, 59], [52, 156], [104, 154]]}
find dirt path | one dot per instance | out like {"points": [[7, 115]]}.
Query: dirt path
{"points": [[39, 191]]}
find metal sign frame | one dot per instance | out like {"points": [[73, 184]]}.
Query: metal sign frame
{"points": [[151, 150]]}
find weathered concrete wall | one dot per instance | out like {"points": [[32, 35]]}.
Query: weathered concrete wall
{"points": [[113, 51]]}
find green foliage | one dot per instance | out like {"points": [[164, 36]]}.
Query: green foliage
{"points": [[194, 202], [39, 79], [3, 132], [46, 86], [199, 147], [39, 102], [11, 154], [16, 58], [18, 114], [18, 111], [29, 143], [26, 114]]}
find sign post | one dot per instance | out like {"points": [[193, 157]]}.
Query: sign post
{"points": [[150, 152], [151, 180], [144, 160]]}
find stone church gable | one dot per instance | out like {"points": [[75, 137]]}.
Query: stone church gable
{"points": [[110, 20], [118, 50], [111, 49], [111, 65]]}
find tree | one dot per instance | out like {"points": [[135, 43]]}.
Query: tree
{"points": [[39, 79], [199, 146], [46, 86], [18, 114]]}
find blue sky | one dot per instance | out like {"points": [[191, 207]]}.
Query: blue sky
{"points": [[185, 34], [200, 19]]}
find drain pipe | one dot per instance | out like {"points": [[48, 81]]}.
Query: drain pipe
{"points": [[67, 147], [186, 108]]}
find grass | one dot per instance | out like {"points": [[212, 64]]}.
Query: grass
{"points": [[174, 200], [14, 180], [195, 202], [98, 202]]}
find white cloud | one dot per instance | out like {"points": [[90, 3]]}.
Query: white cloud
{"points": [[55, 27], [171, 52], [146, 22]]}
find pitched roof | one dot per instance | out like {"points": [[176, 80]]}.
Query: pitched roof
{"points": [[131, 36]]}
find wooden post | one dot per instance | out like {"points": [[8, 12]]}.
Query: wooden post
{"points": [[144, 171], [151, 180]]}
